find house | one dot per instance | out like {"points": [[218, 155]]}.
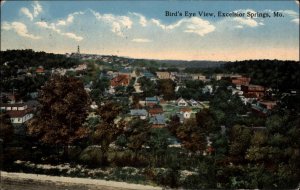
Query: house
{"points": [[120, 80], [141, 113], [207, 89], [181, 102], [248, 98], [179, 85], [256, 90], [40, 70], [268, 104], [183, 77], [127, 71], [259, 110], [158, 121], [151, 101], [219, 76], [19, 113], [186, 112], [94, 106], [193, 103], [148, 75], [198, 77], [81, 67], [163, 75], [137, 87], [20, 117], [239, 81], [155, 111]]}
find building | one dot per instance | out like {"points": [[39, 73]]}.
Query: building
{"points": [[40, 70], [151, 101], [268, 104], [19, 113], [183, 77], [198, 77], [158, 121], [141, 113], [155, 111], [120, 80], [181, 102], [186, 112], [207, 89], [193, 103], [239, 81], [163, 75], [127, 71], [257, 90], [148, 75]]}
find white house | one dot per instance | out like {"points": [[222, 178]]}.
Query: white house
{"points": [[181, 102], [207, 89], [193, 103], [19, 113], [20, 117], [186, 112]]}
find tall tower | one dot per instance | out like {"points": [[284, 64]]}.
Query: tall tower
{"points": [[78, 50]]}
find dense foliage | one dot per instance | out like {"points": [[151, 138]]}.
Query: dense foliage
{"points": [[63, 110], [28, 58], [283, 75]]}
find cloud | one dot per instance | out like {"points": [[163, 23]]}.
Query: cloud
{"points": [[118, 24], [53, 27], [141, 40], [192, 25], [26, 12], [72, 36], [239, 26], [246, 21], [199, 26], [167, 27], [20, 29], [142, 19], [37, 8], [69, 19]]}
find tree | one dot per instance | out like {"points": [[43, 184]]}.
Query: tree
{"points": [[109, 128], [136, 133], [166, 87], [147, 86], [191, 136], [205, 121], [158, 141], [240, 137], [64, 105]]}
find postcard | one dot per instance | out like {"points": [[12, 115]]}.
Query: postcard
{"points": [[149, 95]]}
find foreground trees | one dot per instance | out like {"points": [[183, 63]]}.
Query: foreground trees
{"points": [[109, 128], [64, 105]]}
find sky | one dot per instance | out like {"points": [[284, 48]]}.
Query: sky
{"points": [[141, 29]]}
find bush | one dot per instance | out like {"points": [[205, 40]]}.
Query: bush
{"points": [[91, 156]]}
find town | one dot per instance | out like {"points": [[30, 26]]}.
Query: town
{"points": [[151, 120]]}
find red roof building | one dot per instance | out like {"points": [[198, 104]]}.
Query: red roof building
{"points": [[40, 70], [120, 80], [155, 111], [257, 90], [241, 81]]}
